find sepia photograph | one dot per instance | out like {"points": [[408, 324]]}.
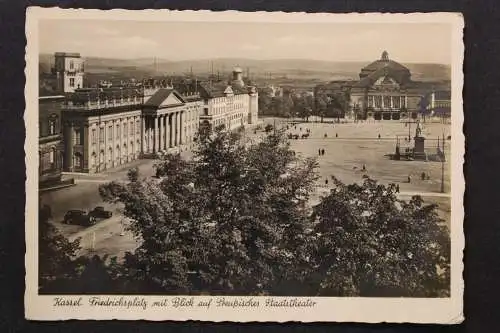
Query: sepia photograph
{"points": [[244, 166]]}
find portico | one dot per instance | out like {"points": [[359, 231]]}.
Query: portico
{"points": [[162, 130], [165, 122]]}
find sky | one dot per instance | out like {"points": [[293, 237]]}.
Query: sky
{"points": [[405, 42]]}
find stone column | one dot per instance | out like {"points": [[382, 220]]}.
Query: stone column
{"points": [[68, 140], [392, 102], [172, 129], [151, 134], [181, 127], [162, 133], [383, 104], [167, 131], [177, 130], [113, 143], [143, 134], [85, 144], [156, 135]]}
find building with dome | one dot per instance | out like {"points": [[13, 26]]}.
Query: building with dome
{"points": [[384, 91]]}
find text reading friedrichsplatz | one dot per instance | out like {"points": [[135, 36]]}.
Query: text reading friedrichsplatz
{"points": [[119, 302]]}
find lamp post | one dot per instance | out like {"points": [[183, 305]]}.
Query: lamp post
{"points": [[442, 167]]}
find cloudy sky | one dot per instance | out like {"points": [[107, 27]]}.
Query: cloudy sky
{"points": [[411, 42]]}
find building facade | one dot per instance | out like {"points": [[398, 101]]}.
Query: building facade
{"points": [[232, 104], [105, 128], [101, 129], [50, 143], [384, 91]]}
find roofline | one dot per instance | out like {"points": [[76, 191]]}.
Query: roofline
{"points": [[43, 98], [67, 54]]}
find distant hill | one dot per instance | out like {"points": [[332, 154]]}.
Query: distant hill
{"points": [[292, 68]]}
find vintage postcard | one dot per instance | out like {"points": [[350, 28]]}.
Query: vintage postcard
{"points": [[231, 166]]}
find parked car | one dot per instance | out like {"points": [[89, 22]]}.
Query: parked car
{"points": [[100, 212], [79, 217]]}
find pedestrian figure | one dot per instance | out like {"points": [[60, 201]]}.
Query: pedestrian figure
{"points": [[295, 127], [423, 176], [326, 182], [319, 152], [397, 188], [409, 179], [323, 152], [364, 167], [336, 135], [326, 135], [379, 136], [300, 129]]}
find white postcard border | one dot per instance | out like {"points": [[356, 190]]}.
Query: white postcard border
{"points": [[348, 309]]}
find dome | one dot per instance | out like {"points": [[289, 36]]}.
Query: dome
{"points": [[384, 62]]}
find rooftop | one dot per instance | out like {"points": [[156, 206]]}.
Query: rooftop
{"points": [[382, 63], [67, 54]]}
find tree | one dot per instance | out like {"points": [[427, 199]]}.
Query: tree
{"points": [[231, 221], [62, 271], [321, 105], [55, 255], [369, 243], [265, 104], [303, 106]]}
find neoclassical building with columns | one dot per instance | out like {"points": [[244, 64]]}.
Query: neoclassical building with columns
{"points": [[384, 91], [104, 128]]}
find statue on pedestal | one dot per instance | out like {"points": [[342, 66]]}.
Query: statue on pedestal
{"points": [[418, 130]]}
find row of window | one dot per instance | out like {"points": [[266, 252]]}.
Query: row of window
{"points": [[127, 128], [72, 65], [118, 155], [386, 101], [72, 83]]}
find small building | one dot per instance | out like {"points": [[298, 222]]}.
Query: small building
{"points": [[69, 70]]}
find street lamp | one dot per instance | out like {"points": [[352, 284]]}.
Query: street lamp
{"points": [[442, 167]]}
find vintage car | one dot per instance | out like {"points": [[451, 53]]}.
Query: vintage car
{"points": [[100, 212], [79, 217]]}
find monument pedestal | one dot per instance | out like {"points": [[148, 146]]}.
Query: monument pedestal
{"points": [[418, 150]]}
